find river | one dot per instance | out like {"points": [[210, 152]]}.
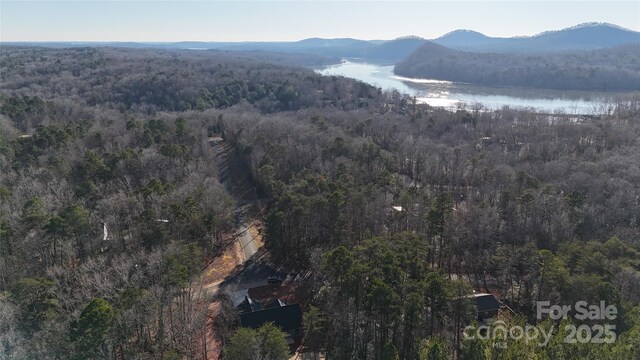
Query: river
{"points": [[452, 95]]}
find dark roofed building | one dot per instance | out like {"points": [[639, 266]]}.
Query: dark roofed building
{"points": [[254, 314], [486, 306], [288, 318]]}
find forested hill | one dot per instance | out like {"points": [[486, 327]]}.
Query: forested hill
{"points": [[390, 52], [611, 69], [589, 36], [173, 80], [307, 52], [381, 52]]}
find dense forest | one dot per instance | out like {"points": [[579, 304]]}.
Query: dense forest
{"points": [[110, 205], [610, 69]]}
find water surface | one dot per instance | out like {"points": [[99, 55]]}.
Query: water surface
{"points": [[452, 95]]}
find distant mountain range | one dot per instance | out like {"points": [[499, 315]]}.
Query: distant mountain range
{"points": [[588, 36], [377, 51]]}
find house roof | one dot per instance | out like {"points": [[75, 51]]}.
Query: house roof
{"points": [[486, 302], [288, 318], [237, 297], [249, 305], [275, 303]]}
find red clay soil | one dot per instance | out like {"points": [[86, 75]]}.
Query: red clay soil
{"points": [[221, 267], [214, 345]]}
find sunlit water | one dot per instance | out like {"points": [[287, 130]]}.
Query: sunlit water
{"points": [[452, 95]]}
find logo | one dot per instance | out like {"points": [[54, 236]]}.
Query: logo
{"points": [[597, 333]]}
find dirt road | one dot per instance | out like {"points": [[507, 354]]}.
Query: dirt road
{"points": [[247, 241]]}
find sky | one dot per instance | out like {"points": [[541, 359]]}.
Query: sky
{"points": [[168, 21]]}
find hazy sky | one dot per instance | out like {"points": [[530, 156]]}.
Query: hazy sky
{"points": [[280, 20]]}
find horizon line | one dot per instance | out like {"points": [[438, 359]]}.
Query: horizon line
{"points": [[577, 26]]}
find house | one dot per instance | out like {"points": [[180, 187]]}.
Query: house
{"points": [[486, 306], [287, 317]]}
